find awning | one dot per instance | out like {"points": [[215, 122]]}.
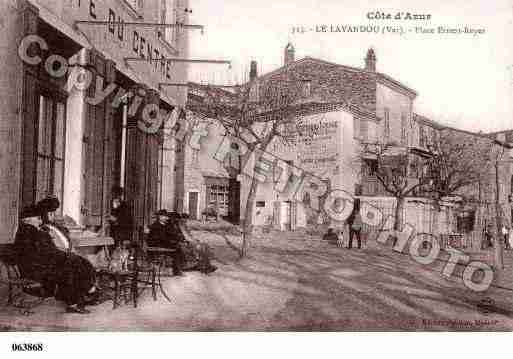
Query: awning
{"points": [[51, 19]]}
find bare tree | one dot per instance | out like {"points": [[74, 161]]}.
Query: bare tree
{"points": [[259, 114], [391, 167], [457, 162]]}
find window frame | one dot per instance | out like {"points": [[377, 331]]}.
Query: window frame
{"points": [[217, 193], [404, 136], [422, 136], [306, 88], [55, 98], [386, 116], [161, 33]]}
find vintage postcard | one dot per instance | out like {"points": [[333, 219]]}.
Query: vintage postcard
{"points": [[242, 166]]}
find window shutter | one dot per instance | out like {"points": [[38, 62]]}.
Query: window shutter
{"points": [[94, 151], [364, 130], [30, 101], [152, 191]]}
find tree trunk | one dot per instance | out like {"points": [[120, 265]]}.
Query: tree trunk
{"points": [[248, 217], [398, 219], [247, 224]]}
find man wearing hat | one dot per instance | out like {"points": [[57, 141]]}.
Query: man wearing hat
{"points": [[62, 274], [163, 234]]}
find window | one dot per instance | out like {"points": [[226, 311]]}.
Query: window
{"points": [[403, 129], [260, 204], [167, 16], [465, 221], [254, 93], [306, 88], [195, 157], [429, 136], [364, 130], [387, 123], [422, 136], [50, 148], [370, 167], [217, 196]]}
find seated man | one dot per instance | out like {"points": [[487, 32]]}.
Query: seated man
{"points": [[197, 254], [168, 232], [163, 235], [62, 274]]}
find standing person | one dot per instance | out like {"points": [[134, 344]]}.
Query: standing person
{"points": [[121, 220], [487, 240], [355, 225], [510, 238], [505, 236], [337, 222]]}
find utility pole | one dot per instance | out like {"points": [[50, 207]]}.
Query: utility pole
{"points": [[498, 247]]}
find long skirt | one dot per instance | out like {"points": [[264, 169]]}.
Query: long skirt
{"points": [[75, 280]]}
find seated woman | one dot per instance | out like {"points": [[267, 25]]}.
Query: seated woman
{"points": [[62, 274]]}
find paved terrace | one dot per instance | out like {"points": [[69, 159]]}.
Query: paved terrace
{"points": [[295, 282]]}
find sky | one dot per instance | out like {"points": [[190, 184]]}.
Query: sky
{"points": [[462, 80]]}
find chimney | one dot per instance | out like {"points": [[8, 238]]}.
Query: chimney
{"points": [[253, 71], [289, 54], [370, 61]]}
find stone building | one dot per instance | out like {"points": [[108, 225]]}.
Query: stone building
{"points": [[348, 107], [353, 105], [367, 106], [72, 106], [201, 180]]}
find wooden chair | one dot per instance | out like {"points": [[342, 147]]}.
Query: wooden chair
{"points": [[17, 285], [130, 282], [124, 283]]}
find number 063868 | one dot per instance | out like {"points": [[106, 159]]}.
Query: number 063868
{"points": [[27, 347]]}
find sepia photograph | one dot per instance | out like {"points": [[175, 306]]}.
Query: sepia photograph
{"points": [[242, 166]]}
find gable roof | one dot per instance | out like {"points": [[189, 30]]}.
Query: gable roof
{"points": [[383, 78]]}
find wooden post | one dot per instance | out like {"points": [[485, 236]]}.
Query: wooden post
{"points": [[499, 262]]}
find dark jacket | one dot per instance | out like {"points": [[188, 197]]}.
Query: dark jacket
{"points": [[122, 227], [165, 235]]}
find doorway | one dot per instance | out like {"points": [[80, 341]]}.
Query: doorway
{"points": [[286, 216], [193, 205]]}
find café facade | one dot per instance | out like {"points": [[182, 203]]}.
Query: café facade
{"points": [[76, 86]]}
